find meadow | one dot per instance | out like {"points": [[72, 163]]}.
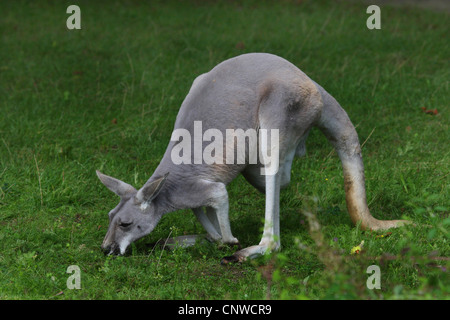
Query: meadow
{"points": [[106, 97]]}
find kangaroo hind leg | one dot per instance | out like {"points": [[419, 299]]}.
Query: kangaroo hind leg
{"points": [[270, 240]]}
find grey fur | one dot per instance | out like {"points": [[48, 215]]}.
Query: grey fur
{"points": [[251, 91]]}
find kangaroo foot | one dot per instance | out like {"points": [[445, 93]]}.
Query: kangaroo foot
{"points": [[375, 224], [246, 253]]}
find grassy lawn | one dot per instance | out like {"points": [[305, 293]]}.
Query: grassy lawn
{"points": [[106, 97]]}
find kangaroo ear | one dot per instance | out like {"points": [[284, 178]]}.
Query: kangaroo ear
{"points": [[120, 188], [150, 190]]}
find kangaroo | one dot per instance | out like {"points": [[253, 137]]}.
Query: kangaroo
{"points": [[257, 91]]}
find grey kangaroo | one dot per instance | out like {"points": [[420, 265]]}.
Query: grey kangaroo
{"points": [[251, 91]]}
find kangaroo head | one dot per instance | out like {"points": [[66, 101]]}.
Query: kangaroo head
{"points": [[135, 215]]}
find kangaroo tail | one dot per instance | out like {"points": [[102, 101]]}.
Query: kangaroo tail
{"points": [[340, 132]]}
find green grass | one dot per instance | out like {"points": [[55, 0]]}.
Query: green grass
{"points": [[106, 97]]}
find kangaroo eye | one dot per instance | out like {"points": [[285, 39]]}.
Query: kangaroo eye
{"points": [[125, 224]]}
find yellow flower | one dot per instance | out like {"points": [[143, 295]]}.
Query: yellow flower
{"points": [[357, 249]]}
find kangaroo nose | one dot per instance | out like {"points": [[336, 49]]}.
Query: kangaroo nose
{"points": [[111, 248], [107, 245], [106, 248], [108, 242]]}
